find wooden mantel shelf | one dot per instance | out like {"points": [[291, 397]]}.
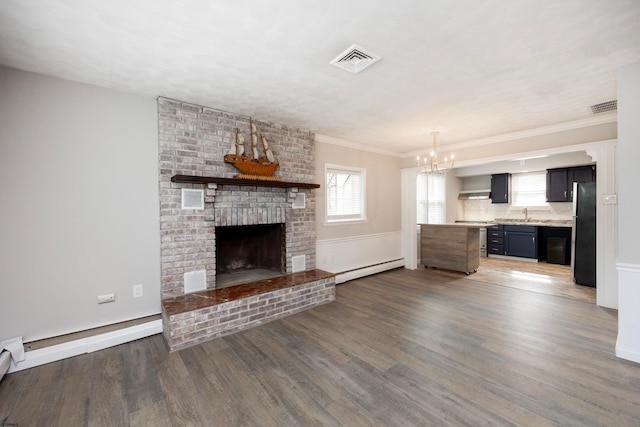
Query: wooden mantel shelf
{"points": [[190, 179]]}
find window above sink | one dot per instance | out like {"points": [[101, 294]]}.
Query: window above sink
{"points": [[529, 189]]}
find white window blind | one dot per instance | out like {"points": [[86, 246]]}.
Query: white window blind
{"points": [[529, 189], [345, 193], [431, 199]]}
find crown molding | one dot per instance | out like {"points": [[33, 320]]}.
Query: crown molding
{"points": [[358, 146], [546, 130], [589, 147]]}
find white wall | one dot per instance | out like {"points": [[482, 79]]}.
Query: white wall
{"points": [[80, 212], [345, 247], [628, 345]]}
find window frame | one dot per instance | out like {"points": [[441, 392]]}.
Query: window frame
{"points": [[426, 201], [340, 219], [541, 192]]}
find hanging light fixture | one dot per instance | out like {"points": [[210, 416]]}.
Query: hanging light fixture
{"points": [[435, 167]]}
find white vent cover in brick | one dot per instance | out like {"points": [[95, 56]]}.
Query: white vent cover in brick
{"points": [[299, 201], [298, 263], [192, 199], [355, 59], [195, 281]]}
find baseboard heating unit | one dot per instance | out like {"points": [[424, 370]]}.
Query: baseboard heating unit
{"points": [[357, 273], [5, 361]]}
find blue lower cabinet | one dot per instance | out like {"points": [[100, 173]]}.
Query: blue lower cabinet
{"points": [[521, 241], [495, 240], [495, 249]]}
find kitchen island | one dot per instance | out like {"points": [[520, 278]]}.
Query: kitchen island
{"points": [[451, 246]]}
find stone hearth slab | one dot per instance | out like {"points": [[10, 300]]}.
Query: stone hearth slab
{"points": [[201, 316]]}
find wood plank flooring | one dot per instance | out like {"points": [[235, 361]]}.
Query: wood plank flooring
{"points": [[551, 279], [422, 347]]}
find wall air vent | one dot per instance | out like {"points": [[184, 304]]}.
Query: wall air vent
{"points": [[355, 59], [603, 107]]}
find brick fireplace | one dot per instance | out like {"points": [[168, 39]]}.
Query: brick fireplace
{"points": [[193, 141]]}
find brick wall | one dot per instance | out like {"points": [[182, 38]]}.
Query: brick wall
{"points": [[193, 141]]}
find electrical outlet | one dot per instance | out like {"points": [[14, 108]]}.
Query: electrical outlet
{"points": [[106, 298], [137, 291]]}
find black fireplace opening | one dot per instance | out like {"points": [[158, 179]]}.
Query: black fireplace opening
{"points": [[249, 252]]}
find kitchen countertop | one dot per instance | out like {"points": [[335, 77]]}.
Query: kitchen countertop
{"points": [[505, 221], [467, 224], [535, 222]]}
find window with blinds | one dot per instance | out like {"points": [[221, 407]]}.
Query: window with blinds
{"points": [[529, 189], [345, 190], [431, 199]]}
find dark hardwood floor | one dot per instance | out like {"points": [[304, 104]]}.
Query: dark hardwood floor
{"points": [[423, 347]]}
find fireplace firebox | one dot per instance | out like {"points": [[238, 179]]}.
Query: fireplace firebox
{"points": [[249, 252]]}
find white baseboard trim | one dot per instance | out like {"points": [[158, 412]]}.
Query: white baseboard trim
{"points": [[367, 271], [513, 258], [86, 345], [5, 362], [627, 354]]}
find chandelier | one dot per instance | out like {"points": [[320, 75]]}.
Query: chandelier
{"points": [[435, 167]]}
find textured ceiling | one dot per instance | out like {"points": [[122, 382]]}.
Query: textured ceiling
{"points": [[471, 69]]}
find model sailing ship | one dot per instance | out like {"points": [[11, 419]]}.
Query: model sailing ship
{"points": [[254, 166]]}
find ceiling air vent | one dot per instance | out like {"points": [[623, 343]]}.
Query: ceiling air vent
{"points": [[355, 59], [603, 107]]}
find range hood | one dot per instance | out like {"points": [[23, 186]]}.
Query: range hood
{"points": [[474, 194]]}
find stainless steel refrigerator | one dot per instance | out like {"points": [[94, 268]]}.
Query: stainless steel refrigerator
{"points": [[583, 234]]}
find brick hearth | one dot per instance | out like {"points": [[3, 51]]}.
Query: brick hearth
{"points": [[200, 316]]}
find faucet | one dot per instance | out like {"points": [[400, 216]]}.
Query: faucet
{"points": [[525, 211]]}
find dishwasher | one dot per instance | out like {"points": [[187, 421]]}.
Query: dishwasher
{"points": [[483, 242]]}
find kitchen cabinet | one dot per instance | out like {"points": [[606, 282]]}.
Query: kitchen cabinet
{"points": [[521, 241], [495, 240], [583, 174], [500, 184], [557, 184], [560, 181]]}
